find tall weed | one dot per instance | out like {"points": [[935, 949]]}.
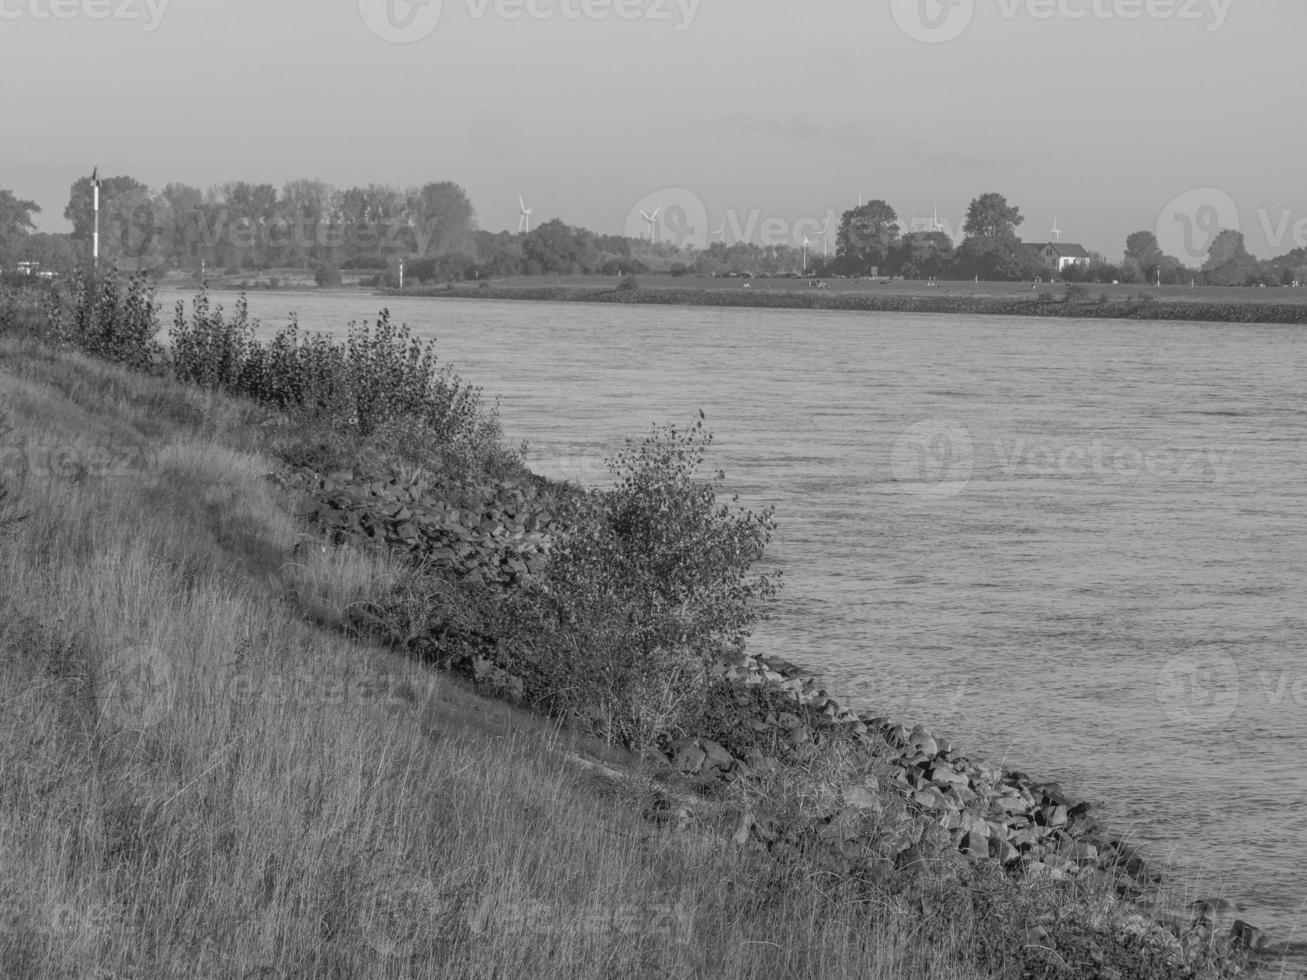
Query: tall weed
{"points": [[100, 313]]}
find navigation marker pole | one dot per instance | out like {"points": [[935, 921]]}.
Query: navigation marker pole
{"points": [[95, 207]]}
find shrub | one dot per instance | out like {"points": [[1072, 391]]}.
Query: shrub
{"points": [[651, 587], [23, 308], [212, 351], [627, 284], [1076, 292], [325, 274], [381, 382], [99, 313]]}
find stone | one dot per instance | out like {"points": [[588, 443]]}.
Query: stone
{"points": [[1245, 936], [688, 757], [922, 740], [945, 776], [1003, 851], [862, 798], [716, 756], [1083, 852], [1052, 816]]}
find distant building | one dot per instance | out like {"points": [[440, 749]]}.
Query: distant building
{"points": [[29, 268], [1056, 256]]}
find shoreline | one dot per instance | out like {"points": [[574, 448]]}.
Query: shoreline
{"points": [[968, 810], [764, 298]]}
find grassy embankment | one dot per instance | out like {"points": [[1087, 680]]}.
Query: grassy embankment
{"points": [[1088, 301], [207, 769]]}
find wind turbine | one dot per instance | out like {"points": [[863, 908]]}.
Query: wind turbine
{"points": [[652, 220], [825, 238], [1057, 232], [806, 243], [937, 226], [525, 220], [721, 232]]}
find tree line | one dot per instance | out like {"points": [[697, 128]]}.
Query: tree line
{"points": [[432, 229]]}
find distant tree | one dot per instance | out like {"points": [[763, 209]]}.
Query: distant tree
{"points": [[305, 206], [15, 222], [923, 255], [81, 210], [1228, 262], [551, 248], [989, 216], [55, 253], [443, 219], [1002, 258], [1142, 249], [992, 249], [867, 237]]}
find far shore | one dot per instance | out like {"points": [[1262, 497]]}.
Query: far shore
{"points": [[1092, 300]]}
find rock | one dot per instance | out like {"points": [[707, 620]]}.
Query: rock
{"points": [[862, 798], [944, 777], [1052, 816], [1083, 852], [1245, 936], [1002, 851], [922, 740], [716, 756], [974, 843], [688, 757]]}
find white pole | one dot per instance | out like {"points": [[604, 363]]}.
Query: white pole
{"points": [[401, 275], [95, 207]]}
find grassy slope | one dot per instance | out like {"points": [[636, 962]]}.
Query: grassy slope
{"points": [[280, 801]]}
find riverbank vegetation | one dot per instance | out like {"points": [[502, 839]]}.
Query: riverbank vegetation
{"points": [[226, 750], [308, 232], [1073, 301]]}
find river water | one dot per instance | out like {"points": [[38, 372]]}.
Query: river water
{"points": [[1078, 548]]}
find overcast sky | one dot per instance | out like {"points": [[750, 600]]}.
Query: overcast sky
{"points": [[1112, 115]]}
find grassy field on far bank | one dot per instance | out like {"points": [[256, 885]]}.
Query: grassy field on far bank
{"points": [[919, 288]]}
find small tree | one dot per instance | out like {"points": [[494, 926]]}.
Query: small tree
{"points": [[651, 588]]}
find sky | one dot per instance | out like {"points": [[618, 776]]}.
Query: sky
{"points": [[1104, 116]]}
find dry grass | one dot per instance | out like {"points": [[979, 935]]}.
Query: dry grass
{"points": [[198, 780]]}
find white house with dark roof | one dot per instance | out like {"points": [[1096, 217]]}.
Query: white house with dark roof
{"points": [[1056, 256]]}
